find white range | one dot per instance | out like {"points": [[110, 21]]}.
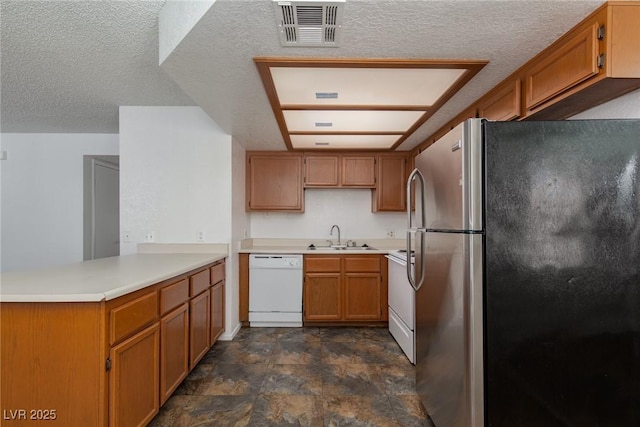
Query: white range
{"points": [[402, 317]]}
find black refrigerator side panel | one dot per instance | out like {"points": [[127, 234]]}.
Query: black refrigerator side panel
{"points": [[562, 289]]}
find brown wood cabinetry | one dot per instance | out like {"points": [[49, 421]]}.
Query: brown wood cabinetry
{"points": [[174, 337], [199, 326], [594, 62], [340, 170], [174, 350], [321, 170], [134, 382], [359, 171], [390, 194], [322, 296], [217, 300], [274, 182], [344, 288], [243, 288], [362, 287], [503, 103], [116, 361]]}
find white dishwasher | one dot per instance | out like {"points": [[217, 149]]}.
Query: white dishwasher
{"points": [[275, 290]]}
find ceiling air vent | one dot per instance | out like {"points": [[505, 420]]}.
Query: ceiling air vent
{"points": [[307, 23]]}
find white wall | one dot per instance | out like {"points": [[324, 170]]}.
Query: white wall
{"points": [[350, 209], [177, 172], [42, 197], [239, 230], [624, 107], [175, 176]]}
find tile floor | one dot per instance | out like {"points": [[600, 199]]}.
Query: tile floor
{"points": [[301, 377]]}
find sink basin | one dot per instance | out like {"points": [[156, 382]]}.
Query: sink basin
{"points": [[342, 248]]}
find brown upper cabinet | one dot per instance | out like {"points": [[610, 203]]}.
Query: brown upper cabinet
{"points": [[390, 194], [596, 61], [338, 170], [359, 171], [274, 182], [321, 170], [276, 179], [502, 103]]}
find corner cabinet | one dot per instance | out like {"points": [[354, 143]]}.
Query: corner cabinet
{"points": [[345, 289], [117, 361], [274, 182]]}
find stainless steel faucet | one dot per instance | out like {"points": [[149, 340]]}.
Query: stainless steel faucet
{"points": [[331, 232]]}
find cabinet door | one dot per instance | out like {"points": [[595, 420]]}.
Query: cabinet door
{"points": [[274, 183], [217, 311], [321, 171], [391, 193], [503, 104], [174, 350], [359, 171], [133, 383], [362, 296], [199, 327], [569, 65], [322, 296]]}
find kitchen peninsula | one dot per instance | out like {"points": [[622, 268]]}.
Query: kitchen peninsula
{"points": [[106, 342]]}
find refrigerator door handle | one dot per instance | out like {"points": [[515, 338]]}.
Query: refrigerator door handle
{"points": [[416, 175], [414, 284], [419, 200]]}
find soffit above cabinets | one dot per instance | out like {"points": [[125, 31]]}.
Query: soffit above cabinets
{"points": [[358, 104]]}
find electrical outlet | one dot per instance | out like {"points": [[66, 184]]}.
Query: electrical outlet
{"points": [[150, 236], [200, 236], [126, 237], [390, 234]]}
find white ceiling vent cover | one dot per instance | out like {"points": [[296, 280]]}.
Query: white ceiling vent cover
{"points": [[307, 23]]}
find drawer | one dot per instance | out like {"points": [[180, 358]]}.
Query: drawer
{"points": [[132, 316], [217, 273], [321, 264], [200, 282], [173, 295], [368, 263]]}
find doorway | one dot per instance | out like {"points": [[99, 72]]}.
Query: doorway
{"points": [[101, 207]]}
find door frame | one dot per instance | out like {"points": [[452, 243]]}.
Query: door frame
{"points": [[89, 165]]}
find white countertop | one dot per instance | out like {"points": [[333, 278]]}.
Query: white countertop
{"points": [[101, 279]]}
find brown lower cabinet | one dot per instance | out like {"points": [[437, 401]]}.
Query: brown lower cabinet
{"points": [[110, 363], [134, 375], [345, 288], [199, 327], [174, 350]]}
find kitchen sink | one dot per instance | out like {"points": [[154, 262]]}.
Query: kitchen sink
{"points": [[364, 247]]}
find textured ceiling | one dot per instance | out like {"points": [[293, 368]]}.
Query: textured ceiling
{"points": [[67, 66]]}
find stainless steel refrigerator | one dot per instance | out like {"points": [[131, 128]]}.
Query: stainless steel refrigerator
{"points": [[527, 240]]}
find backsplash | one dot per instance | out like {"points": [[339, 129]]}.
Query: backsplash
{"points": [[350, 209]]}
